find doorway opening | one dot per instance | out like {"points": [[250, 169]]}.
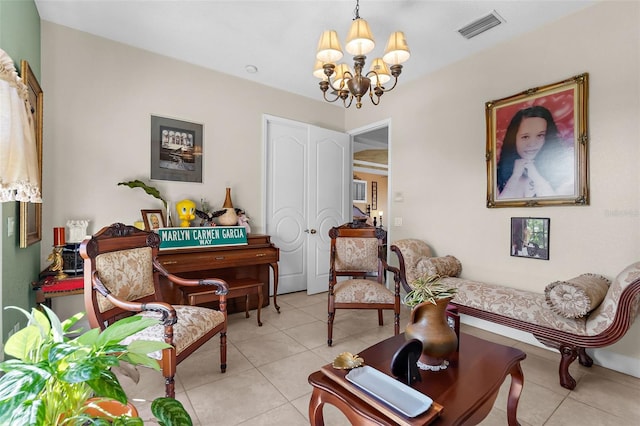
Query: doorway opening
{"points": [[371, 173]]}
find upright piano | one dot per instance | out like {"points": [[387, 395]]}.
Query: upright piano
{"points": [[234, 264]]}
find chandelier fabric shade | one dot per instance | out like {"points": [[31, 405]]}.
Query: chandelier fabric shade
{"points": [[19, 170], [329, 49], [360, 40], [349, 84], [397, 50], [382, 72]]}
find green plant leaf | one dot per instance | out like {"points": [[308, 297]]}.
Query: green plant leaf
{"points": [[59, 351], [100, 422], [124, 328], [147, 346], [30, 413], [40, 319], [18, 387], [127, 421], [71, 321], [23, 342], [108, 386], [428, 288], [170, 412], [148, 189], [56, 326], [87, 369], [88, 338], [141, 359]]}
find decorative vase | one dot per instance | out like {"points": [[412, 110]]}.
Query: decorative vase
{"points": [[229, 217], [109, 409], [428, 323]]}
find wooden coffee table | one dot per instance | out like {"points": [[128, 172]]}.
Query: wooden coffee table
{"points": [[466, 390]]}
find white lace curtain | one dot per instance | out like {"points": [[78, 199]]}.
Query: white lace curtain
{"points": [[19, 173]]}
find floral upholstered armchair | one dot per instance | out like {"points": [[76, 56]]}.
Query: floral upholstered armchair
{"points": [[122, 278], [358, 252]]}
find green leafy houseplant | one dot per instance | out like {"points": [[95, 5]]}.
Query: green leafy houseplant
{"points": [[51, 375], [154, 192], [428, 288]]}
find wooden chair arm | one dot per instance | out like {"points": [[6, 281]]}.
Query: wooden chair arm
{"points": [[401, 268], [222, 286], [169, 317], [396, 276]]}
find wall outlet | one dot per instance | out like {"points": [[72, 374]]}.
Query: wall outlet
{"points": [[397, 221], [11, 226]]}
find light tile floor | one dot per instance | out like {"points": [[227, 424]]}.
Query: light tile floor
{"points": [[267, 370]]}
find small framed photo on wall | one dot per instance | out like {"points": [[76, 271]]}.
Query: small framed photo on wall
{"points": [[530, 237]]}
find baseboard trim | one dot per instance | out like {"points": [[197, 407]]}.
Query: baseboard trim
{"points": [[601, 356]]}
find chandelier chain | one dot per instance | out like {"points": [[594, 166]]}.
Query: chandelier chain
{"points": [[356, 11]]}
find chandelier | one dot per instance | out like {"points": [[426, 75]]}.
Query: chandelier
{"points": [[348, 84]]}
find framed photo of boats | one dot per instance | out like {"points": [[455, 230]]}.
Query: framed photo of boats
{"points": [[176, 150]]}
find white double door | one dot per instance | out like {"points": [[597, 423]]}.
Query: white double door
{"points": [[308, 183]]}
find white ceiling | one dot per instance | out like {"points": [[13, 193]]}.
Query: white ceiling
{"points": [[280, 37]]}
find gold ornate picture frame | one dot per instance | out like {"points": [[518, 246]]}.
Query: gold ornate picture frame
{"points": [[537, 146], [31, 213]]}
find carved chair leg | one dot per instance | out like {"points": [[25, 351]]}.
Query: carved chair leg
{"points": [[380, 318], [568, 355], [396, 323], [223, 352], [170, 387], [584, 358], [330, 329]]}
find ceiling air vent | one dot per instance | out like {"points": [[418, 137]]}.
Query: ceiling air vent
{"points": [[481, 25]]}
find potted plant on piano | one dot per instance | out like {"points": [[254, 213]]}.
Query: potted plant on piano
{"points": [[53, 379]]}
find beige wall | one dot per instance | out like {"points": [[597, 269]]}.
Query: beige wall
{"points": [[381, 182], [438, 150], [100, 95]]}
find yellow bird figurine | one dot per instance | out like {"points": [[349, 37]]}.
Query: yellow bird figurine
{"points": [[186, 212]]}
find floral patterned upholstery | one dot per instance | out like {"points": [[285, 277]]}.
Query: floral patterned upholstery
{"points": [[600, 318], [128, 274], [510, 302], [578, 296], [361, 291], [194, 322], [412, 251], [356, 254], [445, 266]]}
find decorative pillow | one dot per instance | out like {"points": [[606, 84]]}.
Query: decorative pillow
{"points": [[578, 296], [446, 266]]}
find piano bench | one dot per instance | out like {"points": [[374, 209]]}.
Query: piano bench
{"points": [[237, 288]]}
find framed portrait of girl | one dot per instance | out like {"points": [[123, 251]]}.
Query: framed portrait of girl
{"points": [[537, 146]]}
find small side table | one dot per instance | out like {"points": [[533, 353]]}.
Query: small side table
{"points": [[48, 287]]}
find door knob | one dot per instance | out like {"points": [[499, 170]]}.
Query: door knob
{"points": [[310, 231]]}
